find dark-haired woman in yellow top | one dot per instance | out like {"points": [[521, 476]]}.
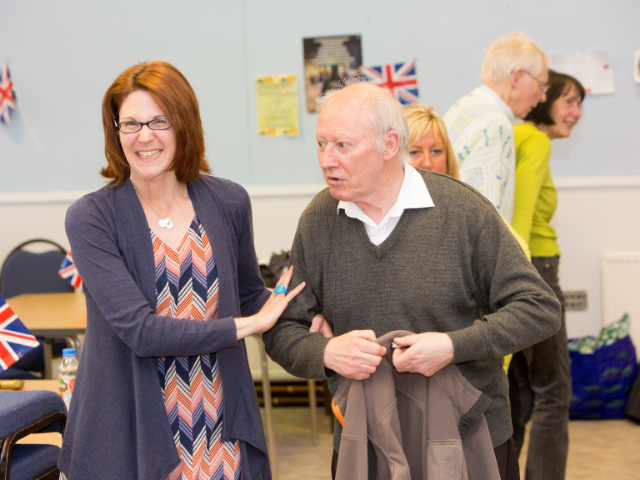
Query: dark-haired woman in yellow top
{"points": [[539, 376]]}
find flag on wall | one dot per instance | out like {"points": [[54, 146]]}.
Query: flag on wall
{"points": [[69, 272], [7, 95], [15, 338], [400, 79]]}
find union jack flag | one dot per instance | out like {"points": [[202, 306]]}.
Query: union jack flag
{"points": [[400, 79], [7, 95], [69, 272], [15, 339]]}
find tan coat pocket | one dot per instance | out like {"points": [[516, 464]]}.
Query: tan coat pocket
{"points": [[445, 460]]}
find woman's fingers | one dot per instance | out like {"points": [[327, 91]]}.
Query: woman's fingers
{"points": [[285, 279], [291, 295], [276, 305], [279, 303]]}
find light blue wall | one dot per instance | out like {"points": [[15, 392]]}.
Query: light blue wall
{"points": [[65, 53]]}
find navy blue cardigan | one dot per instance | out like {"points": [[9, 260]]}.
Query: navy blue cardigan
{"points": [[118, 425]]}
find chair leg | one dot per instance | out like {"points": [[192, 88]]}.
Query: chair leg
{"points": [[313, 405], [48, 355], [266, 393], [74, 342]]}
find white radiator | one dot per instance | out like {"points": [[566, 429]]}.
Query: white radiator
{"points": [[621, 289]]}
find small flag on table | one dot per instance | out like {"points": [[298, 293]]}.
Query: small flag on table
{"points": [[69, 272], [7, 95], [400, 79], [15, 338]]}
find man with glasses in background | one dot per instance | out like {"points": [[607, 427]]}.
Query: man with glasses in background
{"points": [[480, 125]]}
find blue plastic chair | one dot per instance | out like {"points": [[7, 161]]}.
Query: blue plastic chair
{"points": [[28, 272], [24, 413]]}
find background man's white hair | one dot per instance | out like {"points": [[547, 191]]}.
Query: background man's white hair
{"points": [[384, 113], [514, 50]]}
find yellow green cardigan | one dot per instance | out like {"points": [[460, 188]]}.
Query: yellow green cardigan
{"points": [[535, 196]]}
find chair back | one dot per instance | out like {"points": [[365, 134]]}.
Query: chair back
{"points": [[24, 413], [28, 272]]}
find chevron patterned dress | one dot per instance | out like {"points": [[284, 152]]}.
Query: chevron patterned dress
{"points": [[187, 287]]}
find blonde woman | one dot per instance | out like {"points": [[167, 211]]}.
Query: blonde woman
{"points": [[430, 146]]}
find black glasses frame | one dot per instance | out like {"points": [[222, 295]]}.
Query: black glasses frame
{"points": [[142, 124]]}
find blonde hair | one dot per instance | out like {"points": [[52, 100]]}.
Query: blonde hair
{"points": [[420, 119], [514, 50]]}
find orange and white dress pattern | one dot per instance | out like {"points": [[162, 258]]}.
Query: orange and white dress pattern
{"points": [[187, 287]]}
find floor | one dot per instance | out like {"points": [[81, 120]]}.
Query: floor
{"points": [[599, 450]]}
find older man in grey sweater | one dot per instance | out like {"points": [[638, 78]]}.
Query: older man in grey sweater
{"points": [[388, 247]]}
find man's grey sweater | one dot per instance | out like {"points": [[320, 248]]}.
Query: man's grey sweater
{"points": [[454, 268]]}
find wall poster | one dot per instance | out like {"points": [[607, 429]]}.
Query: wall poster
{"points": [[277, 105], [326, 59]]}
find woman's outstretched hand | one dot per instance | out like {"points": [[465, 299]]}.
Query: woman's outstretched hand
{"points": [[271, 310]]}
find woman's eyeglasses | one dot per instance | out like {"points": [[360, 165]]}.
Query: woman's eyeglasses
{"points": [[133, 127]]}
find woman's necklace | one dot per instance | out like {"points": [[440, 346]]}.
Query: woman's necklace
{"points": [[164, 222]]}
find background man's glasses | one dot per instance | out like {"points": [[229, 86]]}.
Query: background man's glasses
{"points": [[542, 88], [133, 127]]}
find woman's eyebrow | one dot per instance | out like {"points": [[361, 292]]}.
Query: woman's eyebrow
{"points": [[134, 119]]}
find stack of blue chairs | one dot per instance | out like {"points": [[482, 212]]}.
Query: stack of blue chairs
{"points": [[24, 413]]}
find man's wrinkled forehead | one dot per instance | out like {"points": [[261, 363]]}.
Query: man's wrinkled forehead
{"points": [[344, 118], [359, 94]]}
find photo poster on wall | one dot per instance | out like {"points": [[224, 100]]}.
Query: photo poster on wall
{"points": [[636, 66], [277, 105], [326, 59]]}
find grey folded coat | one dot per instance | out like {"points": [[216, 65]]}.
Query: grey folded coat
{"points": [[408, 426]]}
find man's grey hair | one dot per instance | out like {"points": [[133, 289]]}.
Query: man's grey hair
{"points": [[384, 114], [514, 50]]}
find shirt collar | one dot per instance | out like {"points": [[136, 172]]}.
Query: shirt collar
{"points": [[503, 105], [413, 194]]}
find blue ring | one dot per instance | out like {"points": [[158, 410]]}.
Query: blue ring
{"points": [[281, 289]]}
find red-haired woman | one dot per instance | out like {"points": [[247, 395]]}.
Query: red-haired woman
{"points": [[172, 285]]}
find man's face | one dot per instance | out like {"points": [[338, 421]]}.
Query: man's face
{"points": [[529, 91], [346, 150]]}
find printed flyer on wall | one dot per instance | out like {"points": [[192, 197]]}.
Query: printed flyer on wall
{"points": [[277, 105]]}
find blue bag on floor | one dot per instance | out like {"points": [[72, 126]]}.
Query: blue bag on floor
{"points": [[602, 373]]}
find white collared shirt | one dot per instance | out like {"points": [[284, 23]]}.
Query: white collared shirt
{"points": [[413, 194]]}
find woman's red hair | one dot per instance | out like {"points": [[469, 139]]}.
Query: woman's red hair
{"points": [[173, 94]]}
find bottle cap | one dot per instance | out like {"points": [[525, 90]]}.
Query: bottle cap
{"points": [[68, 352]]}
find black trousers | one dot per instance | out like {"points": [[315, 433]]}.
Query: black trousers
{"points": [[540, 391], [506, 455]]}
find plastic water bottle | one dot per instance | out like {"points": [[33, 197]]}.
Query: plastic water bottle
{"points": [[67, 374]]}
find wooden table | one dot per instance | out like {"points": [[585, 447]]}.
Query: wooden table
{"points": [[52, 315]]}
